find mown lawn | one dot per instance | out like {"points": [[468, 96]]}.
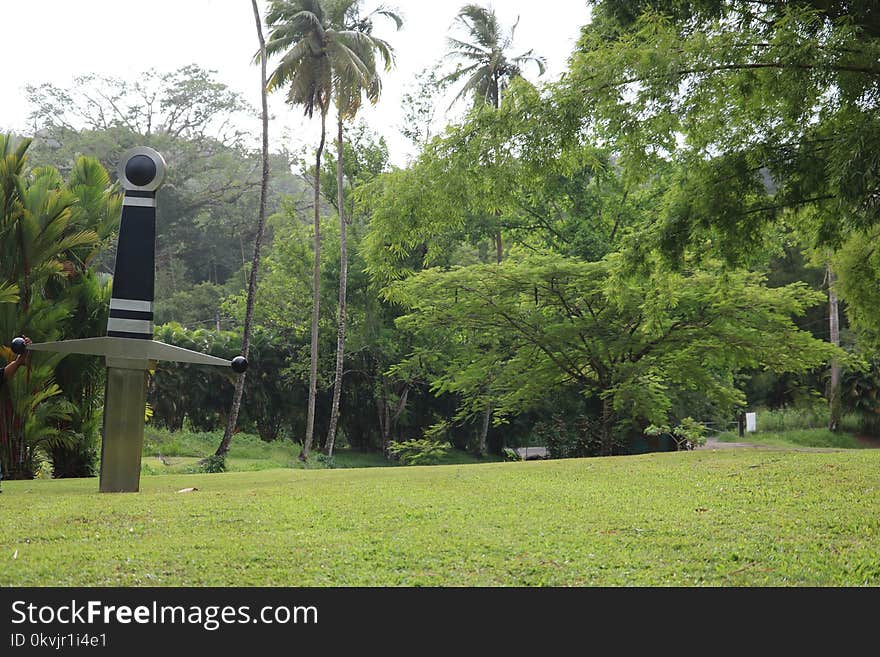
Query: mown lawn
{"points": [[708, 517]]}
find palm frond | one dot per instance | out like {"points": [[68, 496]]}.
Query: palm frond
{"points": [[459, 73], [388, 13], [465, 49], [529, 58], [8, 292]]}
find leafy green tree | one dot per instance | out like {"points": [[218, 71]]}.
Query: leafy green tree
{"points": [[500, 169], [768, 107], [629, 343]]}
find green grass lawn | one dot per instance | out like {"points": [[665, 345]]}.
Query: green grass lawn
{"points": [[701, 518]]}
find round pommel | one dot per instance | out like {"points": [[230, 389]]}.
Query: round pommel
{"points": [[142, 169], [239, 364], [19, 346]]}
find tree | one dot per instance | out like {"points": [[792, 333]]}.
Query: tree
{"points": [[835, 406], [769, 108], [486, 62], [630, 343], [351, 84], [490, 72], [223, 448], [419, 107], [301, 30], [209, 200], [500, 169], [325, 51], [857, 266]]}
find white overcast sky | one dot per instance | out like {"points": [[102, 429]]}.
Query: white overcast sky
{"points": [[56, 40]]}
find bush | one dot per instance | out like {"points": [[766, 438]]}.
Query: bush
{"points": [[212, 464], [566, 438], [419, 452], [510, 454], [687, 434]]}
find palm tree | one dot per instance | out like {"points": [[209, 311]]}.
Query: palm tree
{"points": [[300, 30], [322, 51], [351, 87], [488, 67], [489, 70], [486, 63]]}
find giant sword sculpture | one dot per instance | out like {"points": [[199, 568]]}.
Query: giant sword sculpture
{"points": [[128, 347]]}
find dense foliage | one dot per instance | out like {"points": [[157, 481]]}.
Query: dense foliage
{"points": [[51, 232], [639, 248]]}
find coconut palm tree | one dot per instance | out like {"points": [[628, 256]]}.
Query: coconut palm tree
{"points": [[486, 63], [322, 51], [298, 30], [488, 69], [349, 92]]}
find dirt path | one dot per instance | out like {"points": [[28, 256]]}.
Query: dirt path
{"points": [[714, 443]]}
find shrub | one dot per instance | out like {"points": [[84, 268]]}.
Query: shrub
{"points": [[510, 454], [569, 438], [212, 464], [687, 434]]}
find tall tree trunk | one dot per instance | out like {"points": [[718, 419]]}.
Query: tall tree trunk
{"points": [[607, 431], [316, 298], [343, 285], [483, 447], [388, 420], [834, 402], [223, 448]]}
